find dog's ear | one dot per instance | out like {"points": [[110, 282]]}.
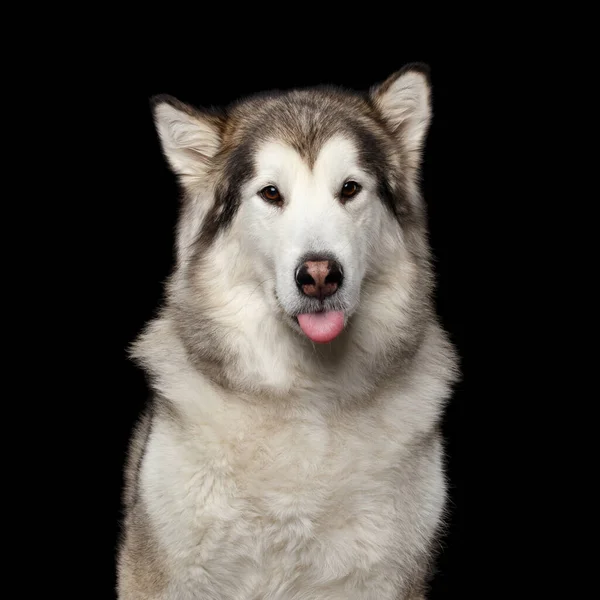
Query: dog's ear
{"points": [[404, 101], [189, 137]]}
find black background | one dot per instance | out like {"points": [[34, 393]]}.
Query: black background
{"points": [[138, 208]]}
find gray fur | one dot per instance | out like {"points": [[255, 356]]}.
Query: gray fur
{"points": [[272, 448]]}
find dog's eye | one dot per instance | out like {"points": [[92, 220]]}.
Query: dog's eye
{"points": [[271, 194], [349, 190]]}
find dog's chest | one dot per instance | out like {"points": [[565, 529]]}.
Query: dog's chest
{"points": [[300, 501]]}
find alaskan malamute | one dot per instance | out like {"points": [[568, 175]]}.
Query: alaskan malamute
{"points": [[292, 448]]}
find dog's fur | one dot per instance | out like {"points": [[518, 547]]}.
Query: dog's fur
{"points": [[268, 467]]}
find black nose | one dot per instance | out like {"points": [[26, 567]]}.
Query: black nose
{"points": [[319, 278]]}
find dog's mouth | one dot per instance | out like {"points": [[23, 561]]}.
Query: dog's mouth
{"points": [[319, 321], [322, 326]]}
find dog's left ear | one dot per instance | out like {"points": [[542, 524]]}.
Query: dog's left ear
{"points": [[404, 101]]}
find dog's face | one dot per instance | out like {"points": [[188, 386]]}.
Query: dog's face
{"points": [[310, 228], [311, 186]]}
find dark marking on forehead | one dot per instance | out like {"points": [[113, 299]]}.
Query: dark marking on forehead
{"points": [[305, 125], [305, 120]]}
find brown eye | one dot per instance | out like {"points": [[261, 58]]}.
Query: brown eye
{"points": [[271, 194], [350, 189]]}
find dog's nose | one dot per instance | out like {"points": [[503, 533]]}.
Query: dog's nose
{"points": [[319, 278]]}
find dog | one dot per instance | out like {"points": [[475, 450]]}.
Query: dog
{"points": [[292, 447]]}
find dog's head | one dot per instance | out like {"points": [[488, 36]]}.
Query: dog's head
{"points": [[306, 191]]}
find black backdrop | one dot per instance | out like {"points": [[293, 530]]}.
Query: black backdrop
{"points": [[139, 207]]}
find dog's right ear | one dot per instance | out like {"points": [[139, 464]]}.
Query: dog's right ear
{"points": [[189, 137]]}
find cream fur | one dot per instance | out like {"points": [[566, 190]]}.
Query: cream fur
{"points": [[295, 472]]}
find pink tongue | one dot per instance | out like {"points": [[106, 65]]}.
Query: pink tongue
{"points": [[322, 327]]}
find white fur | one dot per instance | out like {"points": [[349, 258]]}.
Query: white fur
{"points": [[291, 503], [301, 481], [313, 219]]}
